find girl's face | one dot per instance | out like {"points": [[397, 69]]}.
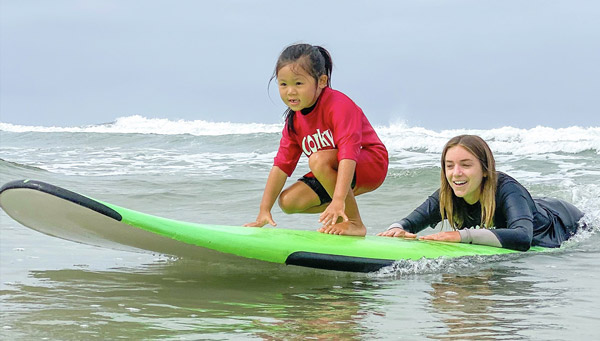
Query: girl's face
{"points": [[464, 173], [297, 88]]}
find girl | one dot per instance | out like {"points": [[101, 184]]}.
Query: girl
{"points": [[473, 194], [345, 155]]}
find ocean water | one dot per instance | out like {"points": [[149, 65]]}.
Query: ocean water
{"points": [[211, 172]]}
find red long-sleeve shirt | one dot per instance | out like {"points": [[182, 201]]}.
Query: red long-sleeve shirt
{"points": [[335, 122]]}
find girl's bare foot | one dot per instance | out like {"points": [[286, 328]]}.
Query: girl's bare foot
{"points": [[348, 228]]}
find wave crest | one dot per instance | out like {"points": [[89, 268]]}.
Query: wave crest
{"points": [[396, 136], [507, 140], [161, 126]]}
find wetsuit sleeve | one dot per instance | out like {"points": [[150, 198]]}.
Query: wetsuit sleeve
{"points": [[288, 153], [479, 236], [346, 119], [514, 202], [426, 215]]}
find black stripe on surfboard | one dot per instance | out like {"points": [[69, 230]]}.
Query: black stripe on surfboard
{"points": [[336, 262], [63, 194]]}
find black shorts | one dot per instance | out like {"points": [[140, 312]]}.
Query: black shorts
{"points": [[316, 186]]}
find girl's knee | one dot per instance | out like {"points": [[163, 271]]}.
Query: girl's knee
{"points": [[322, 161], [361, 190], [288, 202], [284, 202], [298, 199]]}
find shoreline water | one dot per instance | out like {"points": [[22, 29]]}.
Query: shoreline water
{"points": [[58, 289]]}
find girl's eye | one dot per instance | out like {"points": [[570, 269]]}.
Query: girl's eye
{"points": [[299, 83], [282, 84]]}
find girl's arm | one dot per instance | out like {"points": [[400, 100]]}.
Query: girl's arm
{"points": [[343, 183], [275, 183]]}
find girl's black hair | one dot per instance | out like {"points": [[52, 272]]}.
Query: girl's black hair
{"points": [[315, 60]]}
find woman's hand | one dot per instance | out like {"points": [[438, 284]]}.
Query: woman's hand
{"points": [[452, 236], [397, 232], [262, 219], [334, 210]]}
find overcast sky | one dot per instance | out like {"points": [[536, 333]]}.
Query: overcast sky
{"points": [[435, 64]]}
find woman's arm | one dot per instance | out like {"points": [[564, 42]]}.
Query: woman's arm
{"points": [[515, 206], [396, 230], [479, 236], [512, 206], [518, 233], [426, 215]]}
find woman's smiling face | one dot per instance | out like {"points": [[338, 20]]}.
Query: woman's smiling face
{"points": [[464, 173]]}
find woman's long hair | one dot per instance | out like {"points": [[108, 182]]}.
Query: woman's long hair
{"points": [[449, 204]]}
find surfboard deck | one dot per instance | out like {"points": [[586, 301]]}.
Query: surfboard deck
{"points": [[61, 213]]}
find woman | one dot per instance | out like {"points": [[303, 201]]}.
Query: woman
{"points": [[473, 194]]}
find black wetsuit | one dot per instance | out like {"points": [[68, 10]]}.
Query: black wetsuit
{"points": [[520, 221]]}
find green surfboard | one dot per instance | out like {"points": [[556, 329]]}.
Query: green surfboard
{"points": [[65, 214]]}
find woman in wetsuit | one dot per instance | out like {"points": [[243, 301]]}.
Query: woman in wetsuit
{"points": [[473, 194]]}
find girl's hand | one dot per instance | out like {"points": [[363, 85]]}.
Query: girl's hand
{"points": [[262, 219], [335, 210], [397, 232], [452, 236]]}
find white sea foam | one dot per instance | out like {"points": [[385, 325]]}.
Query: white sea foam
{"points": [[396, 136], [141, 125], [147, 162], [407, 267], [538, 140]]}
